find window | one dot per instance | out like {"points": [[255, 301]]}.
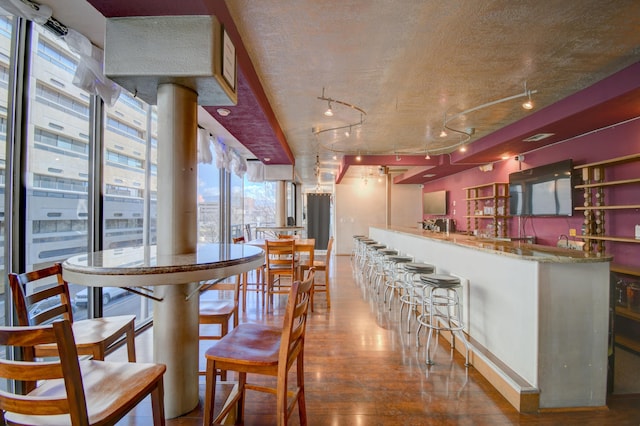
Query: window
{"points": [[128, 187], [57, 194], [6, 28]]}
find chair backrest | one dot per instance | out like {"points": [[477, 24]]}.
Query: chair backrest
{"points": [[45, 284], [295, 322], [225, 286], [329, 249], [238, 240], [29, 371], [286, 237], [280, 255]]}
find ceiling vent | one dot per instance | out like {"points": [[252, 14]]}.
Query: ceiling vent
{"points": [[538, 137]]}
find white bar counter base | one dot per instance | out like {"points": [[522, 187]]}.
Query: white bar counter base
{"points": [[538, 316]]}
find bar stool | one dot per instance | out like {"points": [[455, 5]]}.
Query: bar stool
{"points": [[370, 254], [355, 250], [363, 257], [441, 310], [354, 247], [394, 271], [360, 251], [411, 296], [379, 275]]}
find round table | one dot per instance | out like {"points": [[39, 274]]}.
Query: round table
{"points": [[176, 282]]}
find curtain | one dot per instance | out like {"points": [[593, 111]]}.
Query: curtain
{"points": [[318, 219]]}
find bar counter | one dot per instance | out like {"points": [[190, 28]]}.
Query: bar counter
{"points": [[518, 249], [536, 316]]}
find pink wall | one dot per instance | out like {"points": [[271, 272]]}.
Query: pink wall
{"points": [[623, 139]]}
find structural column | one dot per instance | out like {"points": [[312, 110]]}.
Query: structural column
{"points": [[175, 343], [281, 203]]}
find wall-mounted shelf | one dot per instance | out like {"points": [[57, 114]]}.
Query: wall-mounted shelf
{"points": [[627, 320], [488, 205], [595, 208]]}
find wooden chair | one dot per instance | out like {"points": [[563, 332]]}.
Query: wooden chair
{"points": [[257, 286], [67, 391], [321, 265], [219, 310], [95, 337], [266, 350], [281, 263], [286, 237]]}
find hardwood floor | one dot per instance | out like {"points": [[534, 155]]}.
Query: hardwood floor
{"points": [[360, 370]]}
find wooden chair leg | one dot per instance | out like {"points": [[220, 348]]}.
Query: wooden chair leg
{"points": [[326, 285], [131, 343], [312, 296], [210, 393], [302, 406], [157, 404], [242, 381]]}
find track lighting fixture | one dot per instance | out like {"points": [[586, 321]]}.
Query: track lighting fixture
{"points": [[528, 104], [329, 111]]}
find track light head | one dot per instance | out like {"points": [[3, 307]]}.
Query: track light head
{"points": [[329, 111]]}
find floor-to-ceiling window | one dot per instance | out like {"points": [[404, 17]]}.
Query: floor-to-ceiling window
{"points": [[59, 171], [57, 151], [129, 177], [59, 136], [259, 204], [6, 28], [236, 212], [209, 203]]}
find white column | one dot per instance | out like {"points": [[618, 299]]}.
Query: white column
{"points": [[175, 343], [281, 203]]}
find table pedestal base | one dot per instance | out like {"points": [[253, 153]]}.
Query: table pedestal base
{"points": [[175, 344]]}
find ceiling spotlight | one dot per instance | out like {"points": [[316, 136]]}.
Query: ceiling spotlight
{"points": [[427, 156], [463, 148], [347, 133], [329, 111], [335, 157], [443, 133], [397, 157], [358, 157], [528, 104], [267, 159], [223, 112]]}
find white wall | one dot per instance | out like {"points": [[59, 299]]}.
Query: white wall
{"points": [[406, 205], [357, 206]]}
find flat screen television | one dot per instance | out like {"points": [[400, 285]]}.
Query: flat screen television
{"points": [[542, 191], [434, 203]]}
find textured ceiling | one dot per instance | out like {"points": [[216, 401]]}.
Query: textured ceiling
{"points": [[409, 64]]}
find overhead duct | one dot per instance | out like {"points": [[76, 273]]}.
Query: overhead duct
{"points": [[191, 51]]}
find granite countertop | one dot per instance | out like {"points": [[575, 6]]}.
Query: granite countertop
{"points": [[519, 249]]}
